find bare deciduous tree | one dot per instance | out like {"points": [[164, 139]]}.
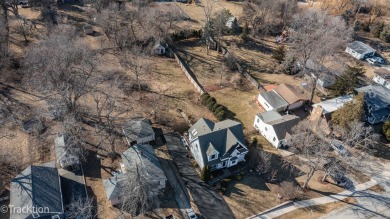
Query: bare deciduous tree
{"points": [[81, 208], [137, 198], [62, 66], [259, 160], [288, 191], [316, 36]]}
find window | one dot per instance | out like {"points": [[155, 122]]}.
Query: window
{"points": [[258, 120], [213, 157], [274, 139], [224, 164], [233, 162], [266, 128]]}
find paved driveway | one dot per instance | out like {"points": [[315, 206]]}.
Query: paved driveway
{"points": [[210, 203]]}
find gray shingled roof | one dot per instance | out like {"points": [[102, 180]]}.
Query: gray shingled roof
{"points": [[38, 186], [361, 47], [281, 124], [113, 186], [137, 128], [223, 135], [143, 156], [274, 99], [377, 102]]}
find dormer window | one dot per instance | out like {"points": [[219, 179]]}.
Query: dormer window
{"points": [[213, 157]]}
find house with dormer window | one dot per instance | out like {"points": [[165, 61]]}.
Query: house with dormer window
{"points": [[217, 145]]}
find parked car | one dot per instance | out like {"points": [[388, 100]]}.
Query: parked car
{"points": [[338, 147], [342, 180], [191, 214], [378, 59], [372, 61]]}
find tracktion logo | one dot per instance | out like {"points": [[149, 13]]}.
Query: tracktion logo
{"points": [[23, 210]]}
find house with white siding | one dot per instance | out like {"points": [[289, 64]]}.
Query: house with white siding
{"points": [[360, 50], [274, 127], [138, 131], [382, 77], [217, 145]]}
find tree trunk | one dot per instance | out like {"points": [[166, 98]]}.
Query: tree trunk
{"points": [[313, 89], [4, 14], [309, 175]]}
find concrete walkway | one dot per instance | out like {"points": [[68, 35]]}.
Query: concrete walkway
{"points": [[290, 206]]}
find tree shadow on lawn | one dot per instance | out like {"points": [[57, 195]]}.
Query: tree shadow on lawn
{"points": [[252, 45], [382, 148]]}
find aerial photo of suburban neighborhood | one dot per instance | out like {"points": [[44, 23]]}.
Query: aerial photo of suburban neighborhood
{"points": [[194, 109]]}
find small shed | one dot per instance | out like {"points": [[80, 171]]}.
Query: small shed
{"points": [[360, 50], [138, 131], [159, 49]]}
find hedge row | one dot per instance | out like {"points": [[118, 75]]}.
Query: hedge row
{"points": [[182, 35], [219, 111]]}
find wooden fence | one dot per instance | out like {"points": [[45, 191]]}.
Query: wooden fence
{"points": [[190, 75]]}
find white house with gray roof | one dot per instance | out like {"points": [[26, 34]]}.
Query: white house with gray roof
{"points": [[274, 126], [138, 131], [360, 50], [217, 145], [271, 100]]}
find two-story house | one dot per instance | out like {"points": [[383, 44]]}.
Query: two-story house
{"points": [[217, 145], [274, 126]]}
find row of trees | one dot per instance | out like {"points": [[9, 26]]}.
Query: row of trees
{"points": [[219, 111]]}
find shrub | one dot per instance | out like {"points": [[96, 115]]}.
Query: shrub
{"points": [[289, 66], [279, 54], [238, 177], [195, 164], [215, 107], [366, 27], [205, 174], [289, 191], [385, 34], [377, 29], [205, 97], [211, 104], [230, 61], [386, 129], [221, 115]]}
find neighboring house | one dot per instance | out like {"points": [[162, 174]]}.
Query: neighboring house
{"points": [[64, 157], [159, 49], [382, 77], [138, 131], [360, 50], [37, 186], [272, 101], [217, 145], [326, 78], [376, 103], [141, 158], [291, 95], [274, 126], [331, 105]]}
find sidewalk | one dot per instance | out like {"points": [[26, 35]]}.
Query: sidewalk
{"points": [[290, 206]]}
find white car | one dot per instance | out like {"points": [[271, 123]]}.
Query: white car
{"points": [[378, 59], [372, 61], [191, 214]]}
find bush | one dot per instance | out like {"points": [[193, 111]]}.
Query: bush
{"points": [[289, 191], [386, 129], [279, 54], [205, 174], [377, 29], [215, 107], [366, 27], [385, 34], [204, 97], [289, 66], [221, 115], [230, 61], [195, 164]]}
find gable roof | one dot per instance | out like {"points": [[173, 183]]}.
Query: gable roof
{"points": [[289, 93], [361, 47], [143, 156], [334, 104], [60, 146], [281, 124], [223, 135], [137, 128], [383, 72], [113, 186], [38, 186], [274, 99], [376, 97]]}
